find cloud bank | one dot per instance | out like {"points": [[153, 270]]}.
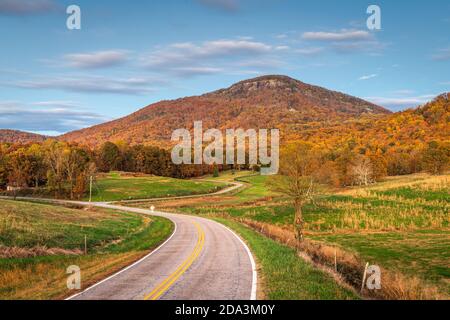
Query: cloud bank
{"points": [[26, 7], [46, 116]]}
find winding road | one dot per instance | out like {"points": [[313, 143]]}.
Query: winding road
{"points": [[201, 260]]}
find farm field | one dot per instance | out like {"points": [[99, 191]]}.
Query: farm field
{"points": [[118, 186], [401, 224], [38, 242]]}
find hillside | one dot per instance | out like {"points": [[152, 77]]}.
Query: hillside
{"points": [[264, 102], [406, 130], [15, 136]]}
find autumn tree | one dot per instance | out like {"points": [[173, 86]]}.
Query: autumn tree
{"points": [[436, 157], [38, 169], [297, 179], [3, 168], [19, 167], [379, 165], [55, 156], [109, 157], [342, 163], [75, 163]]}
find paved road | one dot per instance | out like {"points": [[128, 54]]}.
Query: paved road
{"points": [[233, 187], [202, 260]]}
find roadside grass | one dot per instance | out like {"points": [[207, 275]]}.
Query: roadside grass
{"points": [[286, 276], [119, 186], [115, 239], [401, 224], [29, 225], [418, 253]]}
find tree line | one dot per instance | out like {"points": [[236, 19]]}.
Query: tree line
{"points": [[306, 167], [64, 169]]}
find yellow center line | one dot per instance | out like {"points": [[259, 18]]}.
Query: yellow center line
{"points": [[169, 281]]}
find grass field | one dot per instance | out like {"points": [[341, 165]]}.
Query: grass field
{"points": [[401, 224], [38, 242], [117, 186], [286, 276]]}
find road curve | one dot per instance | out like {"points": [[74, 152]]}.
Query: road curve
{"points": [[234, 185], [202, 260]]}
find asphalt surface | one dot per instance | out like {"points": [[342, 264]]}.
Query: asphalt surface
{"points": [[202, 260]]}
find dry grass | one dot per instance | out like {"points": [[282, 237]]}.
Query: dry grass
{"points": [[420, 180], [44, 281], [38, 243], [16, 252], [350, 267]]}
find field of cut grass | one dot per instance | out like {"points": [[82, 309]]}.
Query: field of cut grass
{"points": [[38, 242], [401, 224], [117, 186], [286, 276]]}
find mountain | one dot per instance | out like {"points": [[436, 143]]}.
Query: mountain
{"points": [[263, 102], [404, 131], [15, 136]]}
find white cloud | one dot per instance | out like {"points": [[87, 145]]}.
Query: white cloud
{"points": [[191, 71], [92, 84], [347, 41], [368, 77], [188, 52], [343, 35], [210, 57], [99, 59], [403, 92], [26, 7], [260, 63], [47, 116], [441, 55], [309, 51], [399, 103]]}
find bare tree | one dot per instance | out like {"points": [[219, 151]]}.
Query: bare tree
{"points": [[296, 179], [362, 171]]}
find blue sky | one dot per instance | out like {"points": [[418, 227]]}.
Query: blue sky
{"points": [[130, 54]]}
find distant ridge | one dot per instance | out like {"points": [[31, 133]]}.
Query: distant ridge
{"points": [[263, 102], [16, 136]]}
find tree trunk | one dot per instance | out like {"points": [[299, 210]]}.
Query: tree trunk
{"points": [[298, 222]]}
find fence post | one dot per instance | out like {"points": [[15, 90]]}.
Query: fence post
{"points": [[90, 189], [364, 277], [335, 260]]}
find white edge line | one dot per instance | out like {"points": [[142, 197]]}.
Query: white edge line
{"points": [[252, 261], [126, 268]]}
